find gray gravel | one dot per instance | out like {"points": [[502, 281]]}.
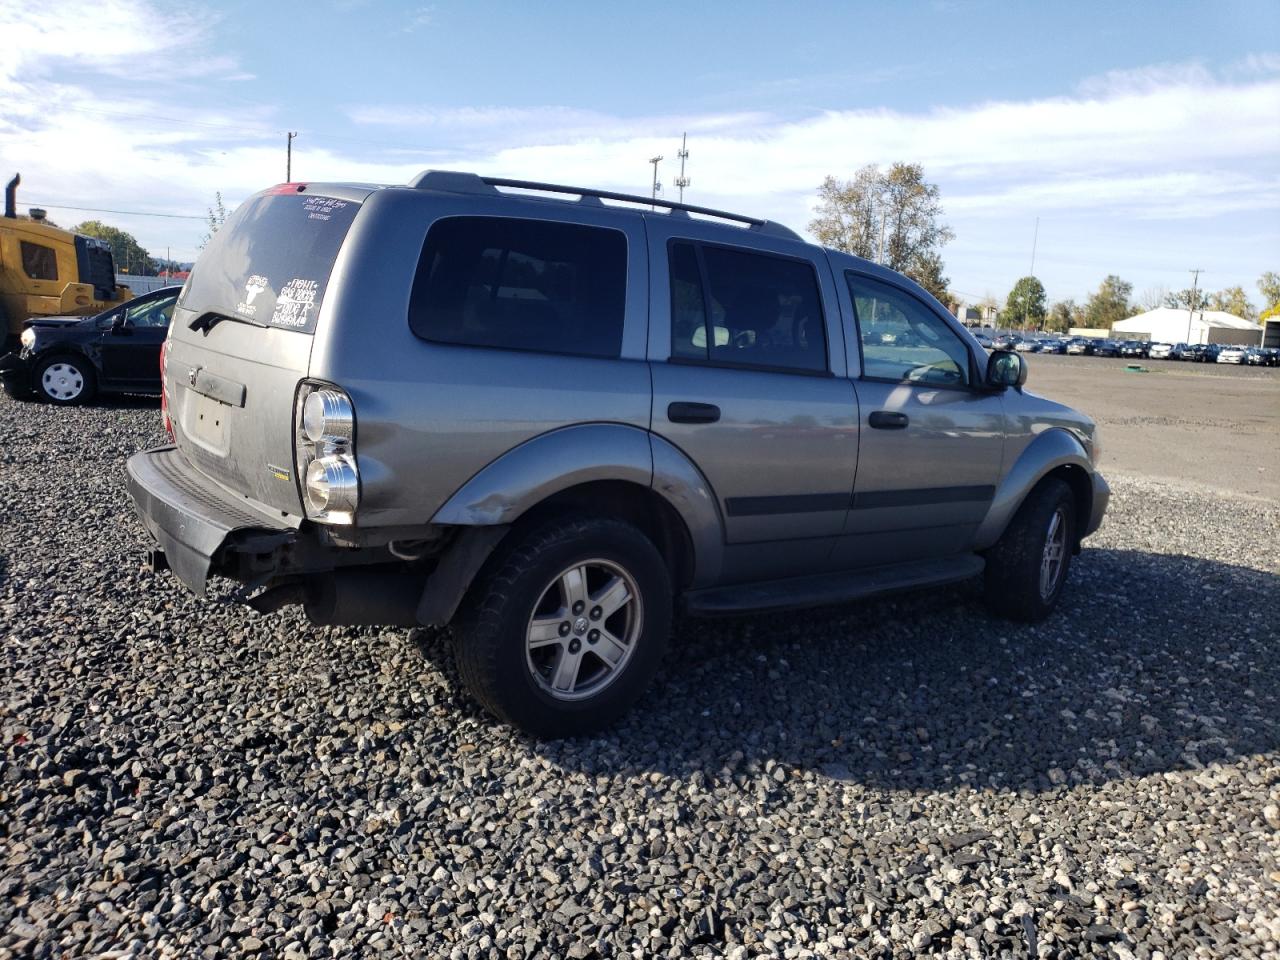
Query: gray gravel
{"points": [[891, 779]]}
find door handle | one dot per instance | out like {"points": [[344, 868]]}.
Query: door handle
{"points": [[888, 420], [693, 413]]}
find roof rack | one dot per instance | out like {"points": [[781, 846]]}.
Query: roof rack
{"points": [[456, 182]]}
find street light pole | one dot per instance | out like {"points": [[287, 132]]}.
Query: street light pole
{"points": [[656, 185], [288, 157]]}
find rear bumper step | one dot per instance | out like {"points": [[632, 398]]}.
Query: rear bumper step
{"points": [[191, 517], [829, 588]]}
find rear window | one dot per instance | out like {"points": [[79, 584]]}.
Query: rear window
{"points": [[270, 262], [521, 285]]}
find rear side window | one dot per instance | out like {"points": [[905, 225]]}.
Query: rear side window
{"points": [[748, 309], [270, 262], [38, 261], [521, 285]]}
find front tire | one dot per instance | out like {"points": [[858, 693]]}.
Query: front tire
{"points": [[565, 628], [1028, 566], [64, 380]]}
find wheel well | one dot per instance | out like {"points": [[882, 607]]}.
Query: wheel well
{"points": [[1081, 491], [637, 505]]}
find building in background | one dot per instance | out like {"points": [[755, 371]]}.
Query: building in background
{"points": [[1175, 325]]}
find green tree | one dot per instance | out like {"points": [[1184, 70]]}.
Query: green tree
{"points": [[893, 217], [1062, 316], [1235, 301], [1189, 299], [1025, 304], [129, 255], [1269, 287], [217, 217], [1109, 304]]}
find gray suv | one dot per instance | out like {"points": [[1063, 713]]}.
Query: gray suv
{"points": [[551, 421]]}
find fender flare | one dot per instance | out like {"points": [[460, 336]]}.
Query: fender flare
{"points": [[1054, 448], [551, 462]]}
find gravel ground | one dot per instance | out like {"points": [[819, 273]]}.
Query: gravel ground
{"points": [[889, 779]]}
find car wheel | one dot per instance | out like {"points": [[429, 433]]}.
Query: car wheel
{"points": [[1028, 566], [566, 626], [65, 380]]}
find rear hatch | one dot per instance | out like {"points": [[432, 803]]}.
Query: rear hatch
{"points": [[241, 336]]}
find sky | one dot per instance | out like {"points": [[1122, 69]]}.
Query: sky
{"points": [[1144, 137]]}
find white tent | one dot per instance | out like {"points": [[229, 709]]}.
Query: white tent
{"points": [[1175, 325]]}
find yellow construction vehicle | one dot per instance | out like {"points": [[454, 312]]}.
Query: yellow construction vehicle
{"points": [[46, 271]]}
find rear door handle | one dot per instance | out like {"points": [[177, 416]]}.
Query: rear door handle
{"points": [[887, 420], [693, 413]]}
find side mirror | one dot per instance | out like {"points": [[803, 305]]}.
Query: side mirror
{"points": [[1006, 369]]}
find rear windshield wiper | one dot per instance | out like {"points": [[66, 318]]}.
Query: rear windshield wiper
{"points": [[207, 321]]}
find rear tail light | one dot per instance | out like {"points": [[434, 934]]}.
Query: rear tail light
{"points": [[164, 388], [325, 453]]}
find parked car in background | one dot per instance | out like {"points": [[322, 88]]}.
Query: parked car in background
{"points": [[1263, 357], [1106, 348], [1232, 354], [1206, 352], [68, 360], [553, 423], [1006, 341], [1163, 351], [1080, 347], [1052, 345], [1133, 348], [1027, 346], [983, 340]]}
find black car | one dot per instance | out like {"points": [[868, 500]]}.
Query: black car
{"points": [[66, 360], [1106, 348]]}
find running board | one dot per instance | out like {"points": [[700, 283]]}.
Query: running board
{"points": [[829, 588]]}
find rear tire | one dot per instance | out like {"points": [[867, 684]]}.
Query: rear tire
{"points": [[1028, 566], [565, 627], [65, 380]]}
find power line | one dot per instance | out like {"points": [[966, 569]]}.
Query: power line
{"points": [[123, 213]]}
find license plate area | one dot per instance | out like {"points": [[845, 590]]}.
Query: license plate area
{"points": [[208, 423]]}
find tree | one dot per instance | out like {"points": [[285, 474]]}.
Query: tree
{"points": [[217, 217], [1062, 316], [1153, 297], [1109, 304], [1269, 287], [129, 255], [1233, 300], [893, 217], [1188, 299], [1025, 305], [847, 213]]}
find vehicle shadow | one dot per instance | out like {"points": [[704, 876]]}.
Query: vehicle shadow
{"points": [[1153, 663], [126, 401]]}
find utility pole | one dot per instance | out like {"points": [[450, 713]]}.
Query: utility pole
{"points": [[656, 185], [682, 181], [1035, 237], [288, 157], [1191, 307]]}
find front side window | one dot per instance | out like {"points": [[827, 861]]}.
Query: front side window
{"points": [[38, 261], [522, 285], [902, 339], [153, 313]]}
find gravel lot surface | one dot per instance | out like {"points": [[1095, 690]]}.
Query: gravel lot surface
{"points": [[890, 779], [1208, 424]]}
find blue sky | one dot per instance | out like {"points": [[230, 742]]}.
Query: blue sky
{"points": [[1146, 137]]}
